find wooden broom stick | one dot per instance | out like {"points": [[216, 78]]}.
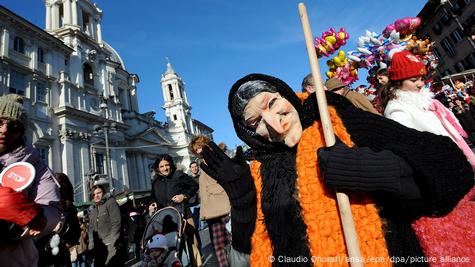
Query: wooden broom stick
{"points": [[351, 238]]}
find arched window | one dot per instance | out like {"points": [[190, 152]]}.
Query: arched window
{"points": [[88, 75], [19, 45], [170, 91]]}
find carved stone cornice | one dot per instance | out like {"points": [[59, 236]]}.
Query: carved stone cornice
{"points": [[70, 134]]}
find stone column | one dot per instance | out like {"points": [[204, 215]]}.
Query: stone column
{"points": [[91, 27], [98, 30], [114, 162], [5, 43], [48, 17], [123, 165], [74, 12], [132, 166], [85, 168], [67, 156], [140, 170], [67, 12], [55, 17], [146, 177], [34, 57], [125, 98]]}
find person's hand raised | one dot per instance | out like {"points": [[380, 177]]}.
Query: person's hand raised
{"points": [[233, 176]]}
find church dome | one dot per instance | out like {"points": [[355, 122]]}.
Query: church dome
{"points": [[114, 55]]}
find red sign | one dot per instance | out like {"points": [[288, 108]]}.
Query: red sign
{"points": [[18, 176]]}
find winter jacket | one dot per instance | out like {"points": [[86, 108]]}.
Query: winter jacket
{"points": [[214, 200], [105, 229], [43, 191], [416, 110], [194, 201], [164, 188], [411, 109]]}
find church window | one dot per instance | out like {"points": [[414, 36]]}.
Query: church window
{"points": [[88, 75], [181, 91], [85, 22], [100, 163], [17, 83], [174, 117], [19, 45], [61, 16], [41, 92], [170, 90], [41, 55]]}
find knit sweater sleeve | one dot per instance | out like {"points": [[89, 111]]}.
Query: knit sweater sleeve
{"points": [[440, 168]]}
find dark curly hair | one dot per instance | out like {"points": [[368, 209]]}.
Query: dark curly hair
{"points": [[167, 158]]}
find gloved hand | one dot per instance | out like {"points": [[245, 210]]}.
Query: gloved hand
{"points": [[16, 207], [239, 156], [233, 176], [361, 169]]}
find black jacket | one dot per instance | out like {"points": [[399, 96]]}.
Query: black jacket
{"points": [[164, 188]]}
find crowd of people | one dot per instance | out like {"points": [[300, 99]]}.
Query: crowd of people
{"points": [[42, 227], [390, 157]]}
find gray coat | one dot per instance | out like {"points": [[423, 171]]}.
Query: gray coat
{"points": [[105, 227]]}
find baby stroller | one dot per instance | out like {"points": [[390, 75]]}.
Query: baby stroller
{"points": [[163, 240]]}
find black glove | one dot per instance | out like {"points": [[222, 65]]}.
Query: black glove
{"points": [[234, 177], [361, 169], [239, 156]]}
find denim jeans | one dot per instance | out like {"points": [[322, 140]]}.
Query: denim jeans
{"points": [[83, 261]]}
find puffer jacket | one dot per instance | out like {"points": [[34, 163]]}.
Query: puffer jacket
{"points": [[43, 191]]}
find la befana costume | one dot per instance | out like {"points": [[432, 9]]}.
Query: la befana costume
{"points": [[394, 175]]}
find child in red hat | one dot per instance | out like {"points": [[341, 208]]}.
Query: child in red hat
{"points": [[407, 102]]}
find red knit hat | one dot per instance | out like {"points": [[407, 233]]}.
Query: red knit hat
{"points": [[405, 65]]}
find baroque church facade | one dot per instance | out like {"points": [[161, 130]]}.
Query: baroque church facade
{"points": [[82, 102]]}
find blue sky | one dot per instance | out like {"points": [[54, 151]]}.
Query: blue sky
{"points": [[213, 43]]}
